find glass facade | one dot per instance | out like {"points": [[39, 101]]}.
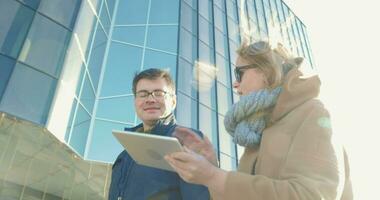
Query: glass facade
{"points": [[67, 67]]}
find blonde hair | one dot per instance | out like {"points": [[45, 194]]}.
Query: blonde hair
{"points": [[273, 62]]}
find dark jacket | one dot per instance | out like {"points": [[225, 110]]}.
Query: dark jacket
{"points": [[131, 181]]}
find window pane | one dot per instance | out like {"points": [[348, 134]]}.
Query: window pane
{"points": [[207, 124], [163, 38], [45, 46], [104, 146], [111, 6], [122, 64], [15, 20], [6, 68], [29, 94], [223, 67], [206, 31], [120, 109], [188, 46], [31, 3], [130, 34], [87, 96], [97, 56], [105, 19], [161, 60], [63, 11], [78, 138], [69, 124], [164, 12], [189, 18], [224, 98], [186, 112], [186, 83], [132, 12]]}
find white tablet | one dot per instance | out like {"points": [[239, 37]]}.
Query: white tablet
{"points": [[148, 149]]}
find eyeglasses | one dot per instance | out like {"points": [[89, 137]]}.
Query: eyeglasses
{"points": [[239, 71], [157, 94]]}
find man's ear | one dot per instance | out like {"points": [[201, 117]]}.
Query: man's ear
{"points": [[174, 100]]}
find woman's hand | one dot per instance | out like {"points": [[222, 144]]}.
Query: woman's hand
{"points": [[195, 143], [192, 167]]}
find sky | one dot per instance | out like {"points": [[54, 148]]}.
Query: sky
{"points": [[345, 41]]}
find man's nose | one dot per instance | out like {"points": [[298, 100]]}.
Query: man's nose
{"points": [[150, 98]]}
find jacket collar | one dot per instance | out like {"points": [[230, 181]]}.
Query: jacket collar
{"points": [[163, 126], [296, 91]]}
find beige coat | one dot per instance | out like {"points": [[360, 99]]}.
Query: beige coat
{"points": [[299, 158]]}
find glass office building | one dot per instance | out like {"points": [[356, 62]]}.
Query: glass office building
{"points": [[66, 70]]}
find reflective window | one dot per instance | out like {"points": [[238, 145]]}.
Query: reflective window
{"points": [[111, 6], [69, 124], [6, 68], [207, 124], [186, 83], [223, 74], [189, 18], [220, 20], [163, 38], [96, 4], [231, 10], [86, 23], [219, 3], [160, 60], [221, 43], [105, 18], [79, 134], [132, 12], [29, 94], [188, 45], [233, 30], [192, 3], [205, 53], [227, 162], [122, 64], [207, 94], [224, 98], [130, 34], [15, 20], [45, 46], [205, 9], [104, 146], [97, 56], [186, 112], [88, 95], [63, 11], [206, 31], [164, 12], [120, 109], [31, 3]]}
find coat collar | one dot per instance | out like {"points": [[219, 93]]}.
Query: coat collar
{"points": [[162, 127], [296, 91]]}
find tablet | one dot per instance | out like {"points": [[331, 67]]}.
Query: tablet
{"points": [[148, 149]]}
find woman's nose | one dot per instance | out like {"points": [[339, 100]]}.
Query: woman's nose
{"points": [[235, 84]]}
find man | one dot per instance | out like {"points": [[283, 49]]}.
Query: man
{"points": [[155, 101]]}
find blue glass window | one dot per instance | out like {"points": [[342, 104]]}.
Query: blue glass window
{"points": [[69, 125], [79, 134], [231, 10], [160, 60], [122, 64], [188, 46], [29, 94], [163, 38], [6, 68], [206, 32], [15, 20], [45, 46], [186, 112], [105, 18], [223, 70], [189, 18], [205, 9], [207, 124], [207, 94], [88, 95], [205, 53], [62, 11], [224, 98], [221, 43], [130, 34], [120, 109], [220, 20], [32, 3], [96, 4], [86, 24], [186, 84], [104, 146], [111, 6], [132, 12], [97, 56], [164, 12]]}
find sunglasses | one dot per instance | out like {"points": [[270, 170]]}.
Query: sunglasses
{"points": [[239, 71]]}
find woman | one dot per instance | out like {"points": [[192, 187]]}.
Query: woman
{"points": [[290, 152]]}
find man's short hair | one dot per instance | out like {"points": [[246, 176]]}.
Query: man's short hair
{"points": [[153, 74]]}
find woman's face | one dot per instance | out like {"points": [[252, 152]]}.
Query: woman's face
{"points": [[252, 79]]}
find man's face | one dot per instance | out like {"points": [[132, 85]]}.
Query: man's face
{"points": [[152, 107]]}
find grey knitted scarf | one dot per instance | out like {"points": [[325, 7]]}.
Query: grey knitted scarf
{"points": [[246, 119]]}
